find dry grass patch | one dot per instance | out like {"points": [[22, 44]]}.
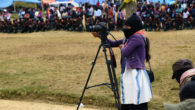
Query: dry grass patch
{"points": [[54, 66]]}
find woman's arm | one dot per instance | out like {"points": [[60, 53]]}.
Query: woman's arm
{"points": [[116, 43], [131, 45]]}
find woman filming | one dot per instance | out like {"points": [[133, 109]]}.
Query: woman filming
{"points": [[136, 89]]}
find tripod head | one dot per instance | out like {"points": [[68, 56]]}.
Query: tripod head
{"points": [[102, 30], [104, 39]]}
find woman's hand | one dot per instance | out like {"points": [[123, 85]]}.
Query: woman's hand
{"points": [[121, 46], [95, 34]]}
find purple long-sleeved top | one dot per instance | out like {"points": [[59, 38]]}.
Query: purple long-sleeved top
{"points": [[133, 51]]}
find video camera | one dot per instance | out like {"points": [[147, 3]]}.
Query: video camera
{"points": [[102, 30], [101, 27]]}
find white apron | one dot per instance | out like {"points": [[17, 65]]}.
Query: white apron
{"points": [[135, 87]]}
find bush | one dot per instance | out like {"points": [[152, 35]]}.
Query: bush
{"points": [[19, 5]]}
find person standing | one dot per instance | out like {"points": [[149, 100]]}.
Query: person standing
{"points": [[98, 15], [91, 11], [136, 89], [21, 13], [193, 13]]}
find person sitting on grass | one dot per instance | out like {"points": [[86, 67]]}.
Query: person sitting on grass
{"points": [[183, 71], [189, 22], [187, 98]]}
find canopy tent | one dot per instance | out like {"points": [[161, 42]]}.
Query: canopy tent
{"points": [[161, 1], [67, 3], [90, 1], [29, 1], [83, 1], [48, 1], [5, 3]]}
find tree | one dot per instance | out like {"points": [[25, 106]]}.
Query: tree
{"points": [[130, 7]]}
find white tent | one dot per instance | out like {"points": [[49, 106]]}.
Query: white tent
{"points": [[67, 3]]}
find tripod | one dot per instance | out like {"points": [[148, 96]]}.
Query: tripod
{"points": [[113, 85]]}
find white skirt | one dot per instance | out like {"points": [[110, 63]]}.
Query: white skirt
{"points": [[135, 87]]}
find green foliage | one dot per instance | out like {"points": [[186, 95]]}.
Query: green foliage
{"points": [[15, 15], [24, 4]]}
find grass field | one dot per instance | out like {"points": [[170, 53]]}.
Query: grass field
{"points": [[53, 66]]}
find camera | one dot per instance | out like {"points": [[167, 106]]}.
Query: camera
{"points": [[102, 30], [101, 27]]}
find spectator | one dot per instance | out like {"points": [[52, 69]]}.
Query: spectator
{"points": [[32, 13], [7, 15], [180, 67], [110, 13], [189, 23], [98, 15], [185, 17], [52, 7], [91, 11], [179, 21], [193, 13], [155, 16], [40, 15], [98, 4], [186, 77], [120, 19], [62, 8], [184, 5], [187, 98], [21, 13], [36, 14], [113, 10]]}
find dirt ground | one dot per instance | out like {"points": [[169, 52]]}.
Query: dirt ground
{"points": [[21, 105]]}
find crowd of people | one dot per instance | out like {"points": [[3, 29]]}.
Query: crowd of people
{"points": [[155, 16], [61, 18], [162, 16]]}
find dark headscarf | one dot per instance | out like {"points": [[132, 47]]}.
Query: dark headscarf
{"points": [[136, 24]]}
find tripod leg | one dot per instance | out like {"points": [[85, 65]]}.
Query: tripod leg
{"points": [[85, 87], [117, 99], [113, 79]]}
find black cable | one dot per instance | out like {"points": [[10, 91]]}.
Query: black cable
{"points": [[112, 36]]}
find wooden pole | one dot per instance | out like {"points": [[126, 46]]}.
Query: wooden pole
{"points": [[35, 5], [14, 7], [42, 5], [130, 9]]}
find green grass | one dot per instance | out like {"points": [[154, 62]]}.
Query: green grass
{"points": [[53, 66]]}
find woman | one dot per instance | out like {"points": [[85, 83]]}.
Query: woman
{"points": [[136, 89]]}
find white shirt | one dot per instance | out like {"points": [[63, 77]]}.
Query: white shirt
{"points": [[91, 11], [184, 5], [62, 8], [185, 14], [52, 8], [98, 13], [7, 16], [36, 14]]}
